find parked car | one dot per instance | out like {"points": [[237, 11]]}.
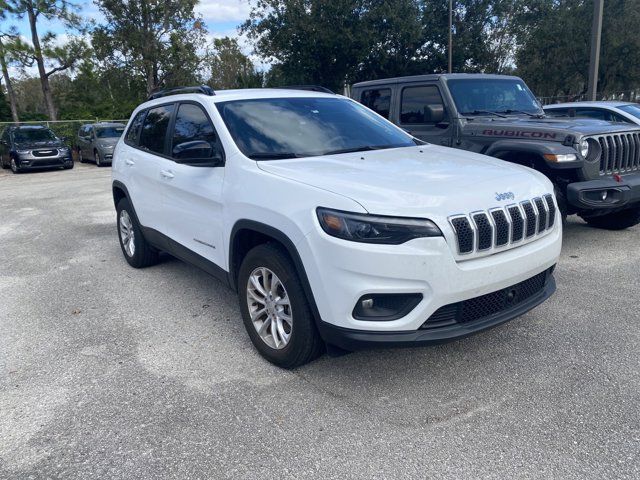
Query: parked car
{"points": [[96, 142], [595, 166], [612, 111], [32, 148], [333, 225]]}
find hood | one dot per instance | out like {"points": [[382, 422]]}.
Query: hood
{"points": [[35, 145], [427, 180], [109, 141], [548, 128]]}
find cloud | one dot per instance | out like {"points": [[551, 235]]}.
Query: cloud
{"points": [[223, 10]]}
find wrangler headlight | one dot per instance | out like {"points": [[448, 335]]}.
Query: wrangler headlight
{"points": [[358, 227], [584, 148]]}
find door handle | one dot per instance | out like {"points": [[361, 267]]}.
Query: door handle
{"points": [[167, 174], [129, 162]]}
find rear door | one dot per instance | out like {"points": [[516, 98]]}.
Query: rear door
{"points": [[423, 113], [147, 139], [192, 199]]}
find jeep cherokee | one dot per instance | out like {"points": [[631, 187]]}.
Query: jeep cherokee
{"points": [[334, 226]]}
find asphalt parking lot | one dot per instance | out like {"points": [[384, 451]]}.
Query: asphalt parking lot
{"points": [[111, 372]]}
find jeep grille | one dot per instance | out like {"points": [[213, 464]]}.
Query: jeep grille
{"points": [[503, 228], [620, 153]]}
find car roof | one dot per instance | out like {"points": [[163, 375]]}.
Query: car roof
{"points": [[608, 103], [106, 124], [28, 127], [433, 77], [239, 94]]}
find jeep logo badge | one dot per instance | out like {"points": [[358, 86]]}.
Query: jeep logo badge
{"points": [[505, 196]]}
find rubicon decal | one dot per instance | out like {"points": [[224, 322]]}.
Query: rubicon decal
{"points": [[519, 134]]}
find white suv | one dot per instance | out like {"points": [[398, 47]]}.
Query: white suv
{"points": [[335, 227]]}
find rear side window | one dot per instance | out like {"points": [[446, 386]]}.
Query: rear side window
{"points": [[154, 128], [378, 100], [134, 129], [593, 113], [192, 133], [414, 102]]}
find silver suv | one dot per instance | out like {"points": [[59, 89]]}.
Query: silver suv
{"points": [[96, 142]]}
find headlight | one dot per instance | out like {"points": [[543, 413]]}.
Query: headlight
{"points": [[63, 150], [105, 145], [584, 148], [23, 152], [364, 228]]}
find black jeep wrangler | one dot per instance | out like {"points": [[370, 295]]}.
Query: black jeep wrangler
{"points": [[594, 165]]}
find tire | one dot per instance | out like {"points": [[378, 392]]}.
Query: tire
{"points": [[14, 167], [69, 167], [616, 221], [80, 157], [304, 343], [562, 203], [137, 251], [96, 158]]}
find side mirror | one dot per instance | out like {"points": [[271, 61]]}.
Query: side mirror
{"points": [[197, 153], [434, 113]]}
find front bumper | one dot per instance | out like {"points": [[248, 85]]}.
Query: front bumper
{"points": [[349, 339], [340, 273], [588, 195], [39, 163]]}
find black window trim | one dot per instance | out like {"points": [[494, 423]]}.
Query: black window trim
{"points": [[418, 85], [169, 138], [172, 123]]}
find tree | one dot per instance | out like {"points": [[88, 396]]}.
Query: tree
{"points": [[230, 67], [309, 41], [160, 40], [49, 57], [4, 61]]}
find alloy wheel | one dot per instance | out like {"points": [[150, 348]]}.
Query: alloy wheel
{"points": [[14, 167], [269, 308], [127, 235]]}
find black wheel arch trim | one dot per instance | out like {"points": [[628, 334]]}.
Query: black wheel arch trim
{"points": [[282, 238]]}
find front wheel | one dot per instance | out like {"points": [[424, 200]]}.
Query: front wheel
{"points": [[617, 220], [137, 251], [96, 158], [275, 309], [14, 166]]}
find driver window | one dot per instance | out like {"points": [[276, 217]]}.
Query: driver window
{"points": [[421, 105], [194, 137]]}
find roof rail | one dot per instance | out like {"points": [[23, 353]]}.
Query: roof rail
{"points": [[202, 89], [311, 88]]}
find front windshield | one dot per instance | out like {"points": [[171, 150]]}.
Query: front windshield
{"points": [[633, 109], [273, 128], [109, 132], [33, 135], [492, 95]]}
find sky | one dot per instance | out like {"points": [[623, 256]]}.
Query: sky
{"points": [[221, 16]]}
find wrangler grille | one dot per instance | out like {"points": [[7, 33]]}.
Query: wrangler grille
{"points": [[501, 228], [619, 153]]}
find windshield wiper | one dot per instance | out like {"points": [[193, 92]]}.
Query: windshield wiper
{"points": [[486, 112], [363, 148], [273, 156], [535, 115]]}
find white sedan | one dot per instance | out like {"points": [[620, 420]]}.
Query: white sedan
{"points": [[611, 111]]}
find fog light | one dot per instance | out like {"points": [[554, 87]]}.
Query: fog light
{"points": [[367, 303], [386, 306]]}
